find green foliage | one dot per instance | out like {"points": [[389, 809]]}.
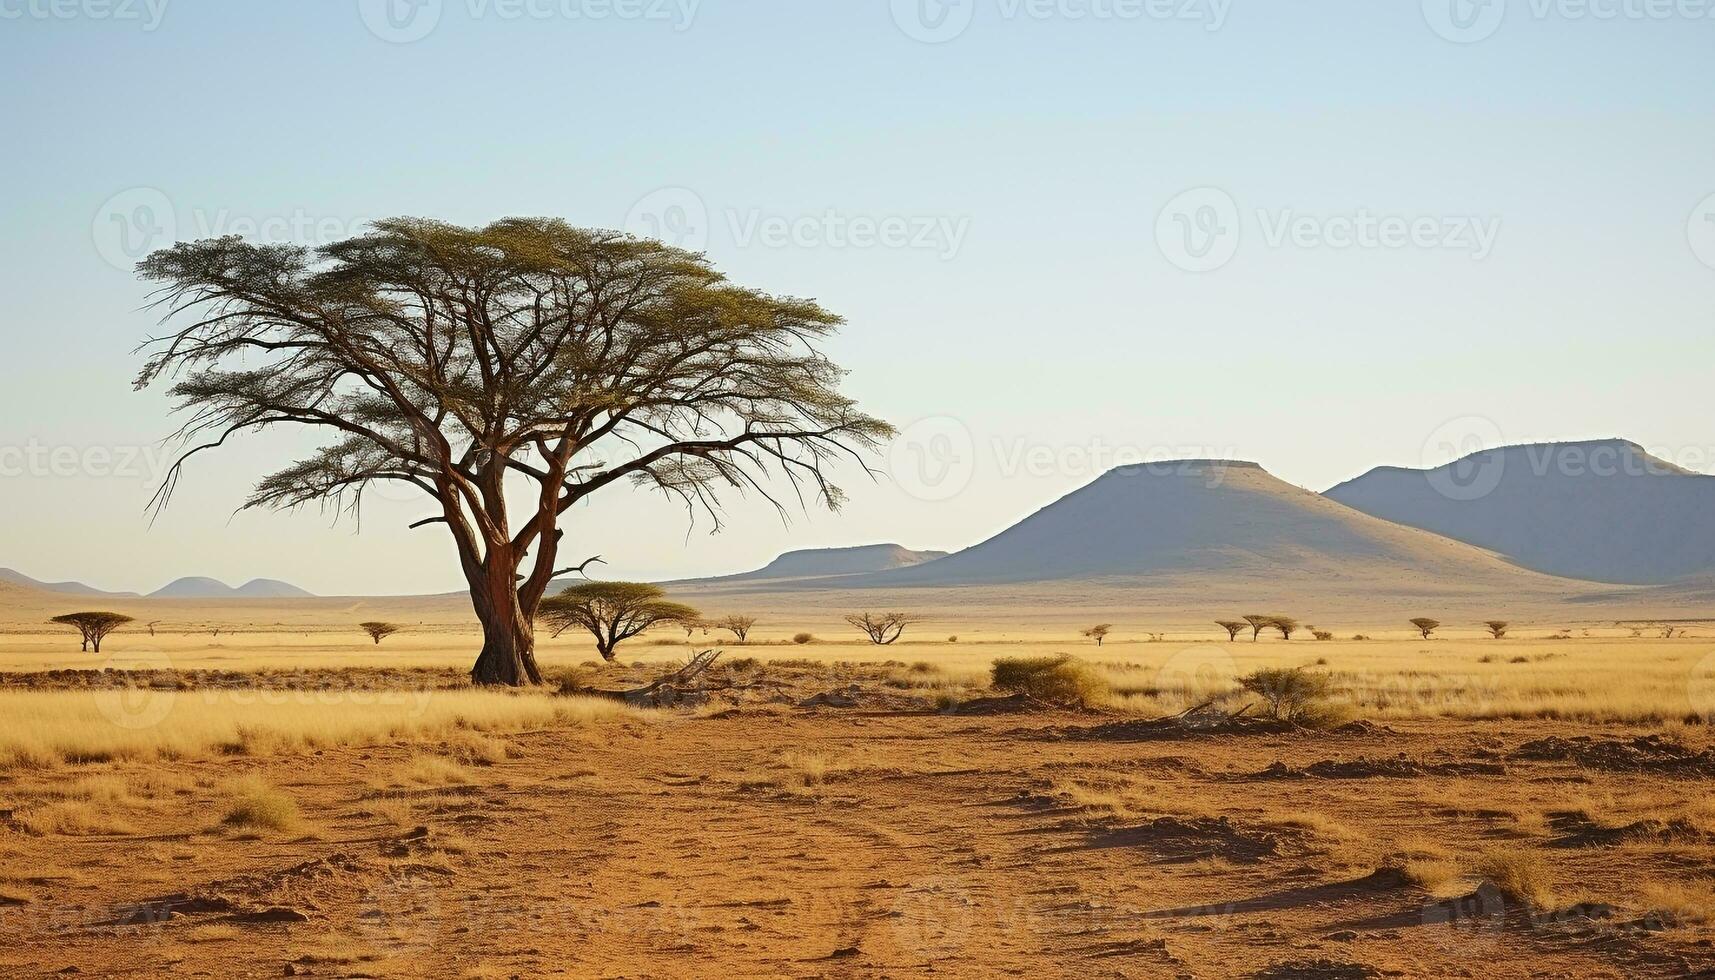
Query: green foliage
{"points": [[612, 612]]}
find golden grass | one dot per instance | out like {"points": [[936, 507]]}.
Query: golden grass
{"points": [[47, 728], [431, 771], [258, 805], [1522, 875], [1682, 902]]}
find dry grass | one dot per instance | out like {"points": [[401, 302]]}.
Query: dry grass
{"points": [[428, 771], [257, 805], [48, 728], [1680, 902], [1521, 875], [1058, 679]]}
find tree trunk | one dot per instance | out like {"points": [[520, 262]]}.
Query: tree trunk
{"points": [[508, 656]]}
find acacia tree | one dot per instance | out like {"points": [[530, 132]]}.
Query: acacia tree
{"points": [[1099, 632], [1426, 626], [1497, 628], [378, 631], [1285, 624], [882, 628], [1258, 623], [93, 626], [738, 625], [1232, 626], [612, 611], [526, 356]]}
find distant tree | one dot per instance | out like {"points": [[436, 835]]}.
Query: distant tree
{"points": [[378, 631], [739, 626], [93, 626], [883, 628], [1232, 626], [1258, 623], [612, 612], [1099, 632], [1426, 626], [691, 626], [1285, 624], [1668, 631], [1497, 628], [507, 372], [152, 627], [1322, 634]]}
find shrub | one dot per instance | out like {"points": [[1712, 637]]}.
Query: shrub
{"points": [[1057, 680], [1291, 693], [802, 638], [1522, 876], [1322, 634], [256, 804]]}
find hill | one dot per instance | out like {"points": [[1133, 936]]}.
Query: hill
{"points": [[824, 562], [199, 587], [1604, 511], [65, 588], [1204, 517]]}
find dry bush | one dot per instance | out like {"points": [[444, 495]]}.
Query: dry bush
{"points": [[803, 638], [1058, 679], [258, 805], [1520, 875], [72, 817], [476, 749], [1292, 694], [1680, 902]]}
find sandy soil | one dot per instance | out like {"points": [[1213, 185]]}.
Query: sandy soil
{"points": [[775, 840]]}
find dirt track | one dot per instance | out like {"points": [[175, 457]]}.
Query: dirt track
{"points": [[691, 846]]}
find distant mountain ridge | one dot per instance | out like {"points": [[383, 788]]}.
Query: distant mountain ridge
{"points": [[1602, 510], [200, 587], [827, 562], [1194, 518], [66, 588]]}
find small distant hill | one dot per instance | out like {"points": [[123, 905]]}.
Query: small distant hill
{"points": [[199, 587], [1602, 510], [65, 588], [826, 562]]}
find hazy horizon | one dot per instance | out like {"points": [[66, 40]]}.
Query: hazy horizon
{"points": [[1442, 242]]}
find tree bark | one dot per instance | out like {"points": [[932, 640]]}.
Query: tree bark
{"points": [[508, 654]]}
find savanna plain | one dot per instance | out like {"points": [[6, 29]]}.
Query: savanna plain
{"points": [[253, 796]]}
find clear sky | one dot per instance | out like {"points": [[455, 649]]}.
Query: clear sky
{"points": [[1411, 226]]}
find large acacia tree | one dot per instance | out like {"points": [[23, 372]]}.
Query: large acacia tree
{"points": [[528, 355]]}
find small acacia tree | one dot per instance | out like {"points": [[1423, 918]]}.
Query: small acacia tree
{"points": [[507, 372], [1285, 624], [1426, 626], [93, 626], [1258, 623], [612, 612], [378, 631], [738, 626], [1497, 628], [1232, 626], [882, 628], [1099, 632]]}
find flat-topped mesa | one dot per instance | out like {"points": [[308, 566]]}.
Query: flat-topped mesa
{"points": [[1606, 510]]}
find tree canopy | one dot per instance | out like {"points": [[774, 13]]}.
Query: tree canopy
{"points": [[527, 355], [612, 612], [93, 626]]}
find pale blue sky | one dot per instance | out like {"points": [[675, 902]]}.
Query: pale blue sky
{"points": [[1048, 143]]}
